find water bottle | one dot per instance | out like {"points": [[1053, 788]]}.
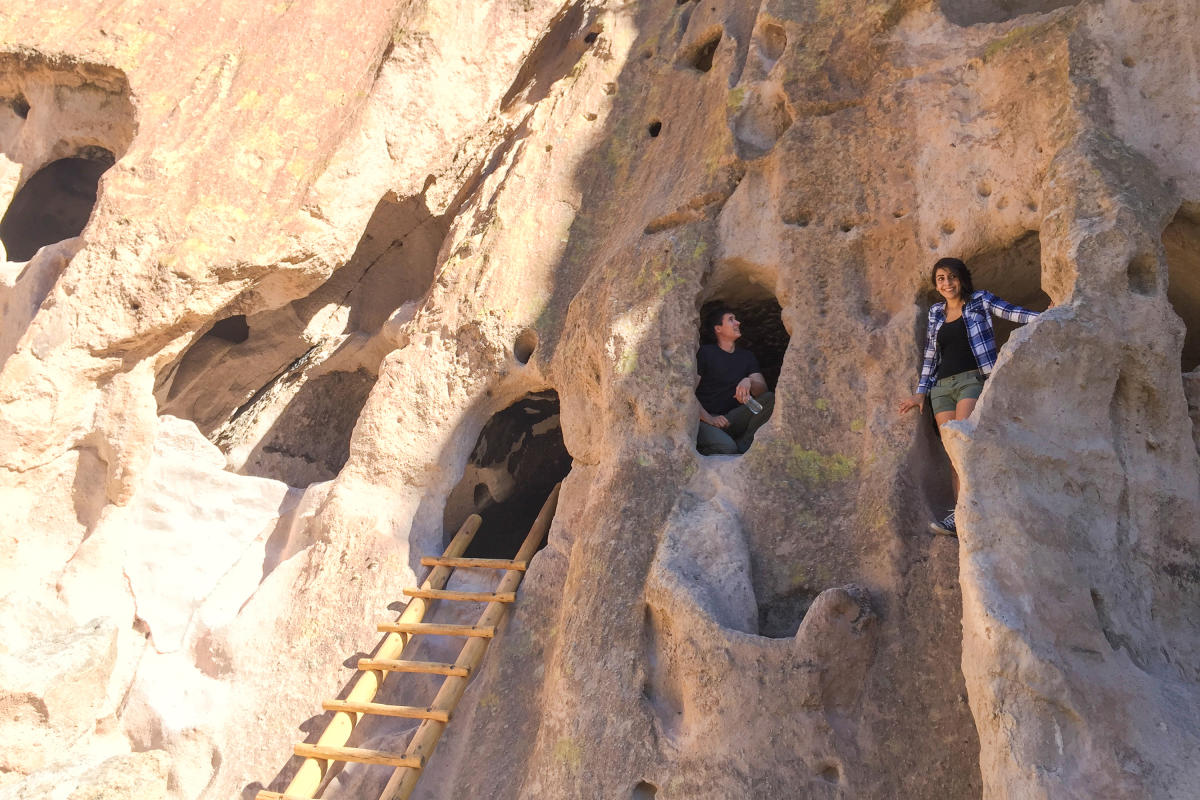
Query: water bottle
{"points": [[752, 404]]}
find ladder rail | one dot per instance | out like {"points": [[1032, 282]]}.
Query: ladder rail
{"points": [[308, 778], [404, 779]]}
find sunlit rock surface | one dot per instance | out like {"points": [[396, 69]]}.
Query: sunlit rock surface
{"points": [[290, 289]]}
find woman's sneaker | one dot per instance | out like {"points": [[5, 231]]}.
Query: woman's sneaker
{"points": [[945, 526]]}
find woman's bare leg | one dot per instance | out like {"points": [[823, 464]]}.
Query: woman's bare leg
{"points": [[961, 411]]}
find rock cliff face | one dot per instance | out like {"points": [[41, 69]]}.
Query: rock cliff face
{"points": [[290, 288]]}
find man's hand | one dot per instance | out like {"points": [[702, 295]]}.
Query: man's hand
{"points": [[717, 421], [917, 401], [742, 392]]}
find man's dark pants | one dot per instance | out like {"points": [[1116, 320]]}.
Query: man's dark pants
{"points": [[737, 438]]}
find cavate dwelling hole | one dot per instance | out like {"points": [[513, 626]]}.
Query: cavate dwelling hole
{"points": [[310, 439], [644, 791], [526, 343], [780, 616], [700, 55], [974, 12], [772, 40], [54, 204], [517, 459], [763, 333], [231, 329], [1012, 273], [830, 773], [1181, 241], [654, 129], [19, 106]]}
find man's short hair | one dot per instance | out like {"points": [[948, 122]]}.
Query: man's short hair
{"points": [[714, 317]]}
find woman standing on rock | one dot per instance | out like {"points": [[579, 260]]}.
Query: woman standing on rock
{"points": [[960, 351]]}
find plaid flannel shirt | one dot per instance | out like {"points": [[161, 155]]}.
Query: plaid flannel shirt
{"points": [[977, 313]]}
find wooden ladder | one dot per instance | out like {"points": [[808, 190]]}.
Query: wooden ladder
{"points": [[330, 747]]}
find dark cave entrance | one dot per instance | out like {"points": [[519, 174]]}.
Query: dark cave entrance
{"points": [[762, 332], [973, 12], [1181, 240], [54, 204], [516, 462], [1014, 274], [756, 307]]}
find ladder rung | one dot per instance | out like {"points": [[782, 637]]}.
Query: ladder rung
{"points": [[438, 629], [477, 563], [384, 710], [471, 597], [422, 667], [358, 755]]}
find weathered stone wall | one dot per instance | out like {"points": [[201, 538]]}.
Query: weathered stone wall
{"points": [[338, 239]]}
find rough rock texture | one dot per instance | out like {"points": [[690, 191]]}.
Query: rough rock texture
{"points": [[271, 270]]}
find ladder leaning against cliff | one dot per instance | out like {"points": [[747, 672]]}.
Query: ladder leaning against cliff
{"points": [[331, 747]]}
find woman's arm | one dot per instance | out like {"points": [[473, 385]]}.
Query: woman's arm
{"points": [[929, 360], [1008, 311]]}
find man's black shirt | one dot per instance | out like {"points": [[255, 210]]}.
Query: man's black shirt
{"points": [[720, 373]]}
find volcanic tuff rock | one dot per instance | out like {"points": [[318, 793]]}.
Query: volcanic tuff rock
{"points": [[290, 288]]}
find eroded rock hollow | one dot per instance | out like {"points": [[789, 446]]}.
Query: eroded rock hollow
{"points": [[291, 289]]}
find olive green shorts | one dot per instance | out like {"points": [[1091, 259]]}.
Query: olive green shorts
{"points": [[946, 393]]}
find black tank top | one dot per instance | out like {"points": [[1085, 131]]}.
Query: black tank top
{"points": [[954, 349]]}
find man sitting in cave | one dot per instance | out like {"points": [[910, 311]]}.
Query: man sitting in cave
{"points": [[734, 401]]}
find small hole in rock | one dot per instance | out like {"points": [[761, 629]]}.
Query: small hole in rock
{"points": [[948, 227], [701, 57], [591, 37], [20, 106], [135, 306], [1143, 275], [1127, 61], [482, 495], [644, 791], [231, 329], [830, 773], [846, 227], [654, 128], [526, 343], [780, 616], [772, 41]]}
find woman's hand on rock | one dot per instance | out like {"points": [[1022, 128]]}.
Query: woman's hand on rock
{"points": [[917, 401]]}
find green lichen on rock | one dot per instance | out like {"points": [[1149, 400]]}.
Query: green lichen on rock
{"points": [[812, 467]]}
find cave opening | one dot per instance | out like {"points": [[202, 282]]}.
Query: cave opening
{"points": [[517, 459], [644, 791], [1181, 241], [743, 289], [1014, 274], [974, 12], [763, 332], [700, 56], [54, 204], [233, 329]]}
